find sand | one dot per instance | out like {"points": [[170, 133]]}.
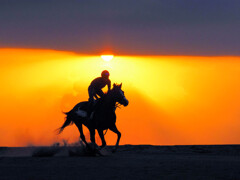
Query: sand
{"points": [[130, 162]]}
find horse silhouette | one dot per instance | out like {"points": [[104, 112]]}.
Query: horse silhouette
{"points": [[102, 118]]}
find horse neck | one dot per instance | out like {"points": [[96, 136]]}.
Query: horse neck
{"points": [[110, 100]]}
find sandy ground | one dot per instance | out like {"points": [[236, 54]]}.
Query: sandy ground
{"points": [[130, 162]]}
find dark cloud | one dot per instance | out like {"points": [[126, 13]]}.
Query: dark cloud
{"points": [[186, 27]]}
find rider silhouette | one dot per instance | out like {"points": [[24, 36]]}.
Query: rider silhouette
{"points": [[95, 89]]}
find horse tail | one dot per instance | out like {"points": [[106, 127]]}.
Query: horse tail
{"points": [[67, 122], [70, 117]]}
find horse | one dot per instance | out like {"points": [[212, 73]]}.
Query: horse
{"points": [[103, 116]]}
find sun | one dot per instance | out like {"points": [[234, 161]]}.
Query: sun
{"points": [[107, 57]]}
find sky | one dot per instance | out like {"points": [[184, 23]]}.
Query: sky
{"points": [[179, 62], [129, 27]]}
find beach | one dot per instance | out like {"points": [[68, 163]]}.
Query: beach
{"points": [[130, 162]]}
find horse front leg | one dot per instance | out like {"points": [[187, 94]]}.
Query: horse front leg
{"points": [[115, 130], [100, 132]]}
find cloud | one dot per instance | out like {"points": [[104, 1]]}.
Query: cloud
{"points": [[125, 27]]}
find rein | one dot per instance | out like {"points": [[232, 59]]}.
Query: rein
{"points": [[118, 105]]}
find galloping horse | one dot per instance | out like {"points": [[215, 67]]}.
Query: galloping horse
{"points": [[102, 118]]}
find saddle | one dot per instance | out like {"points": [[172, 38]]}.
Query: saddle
{"points": [[88, 111]]}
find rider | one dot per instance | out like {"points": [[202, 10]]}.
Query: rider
{"points": [[96, 86]]}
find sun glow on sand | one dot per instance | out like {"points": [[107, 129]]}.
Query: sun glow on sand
{"points": [[172, 99]]}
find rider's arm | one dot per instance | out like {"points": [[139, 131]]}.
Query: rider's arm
{"points": [[109, 85]]}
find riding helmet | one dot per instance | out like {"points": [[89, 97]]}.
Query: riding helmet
{"points": [[105, 74]]}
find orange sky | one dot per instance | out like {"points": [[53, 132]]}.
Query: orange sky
{"points": [[173, 99]]}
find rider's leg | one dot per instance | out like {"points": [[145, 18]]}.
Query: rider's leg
{"points": [[90, 101], [96, 93], [91, 94]]}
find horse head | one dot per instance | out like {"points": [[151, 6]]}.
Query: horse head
{"points": [[118, 94]]}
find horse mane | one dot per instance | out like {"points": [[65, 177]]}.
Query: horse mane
{"points": [[115, 85]]}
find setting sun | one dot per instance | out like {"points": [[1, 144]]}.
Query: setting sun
{"points": [[107, 57]]}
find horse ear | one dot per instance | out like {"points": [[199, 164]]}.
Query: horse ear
{"points": [[121, 85], [114, 85]]}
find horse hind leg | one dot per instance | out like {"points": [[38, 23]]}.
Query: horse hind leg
{"points": [[81, 134], [115, 130]]}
